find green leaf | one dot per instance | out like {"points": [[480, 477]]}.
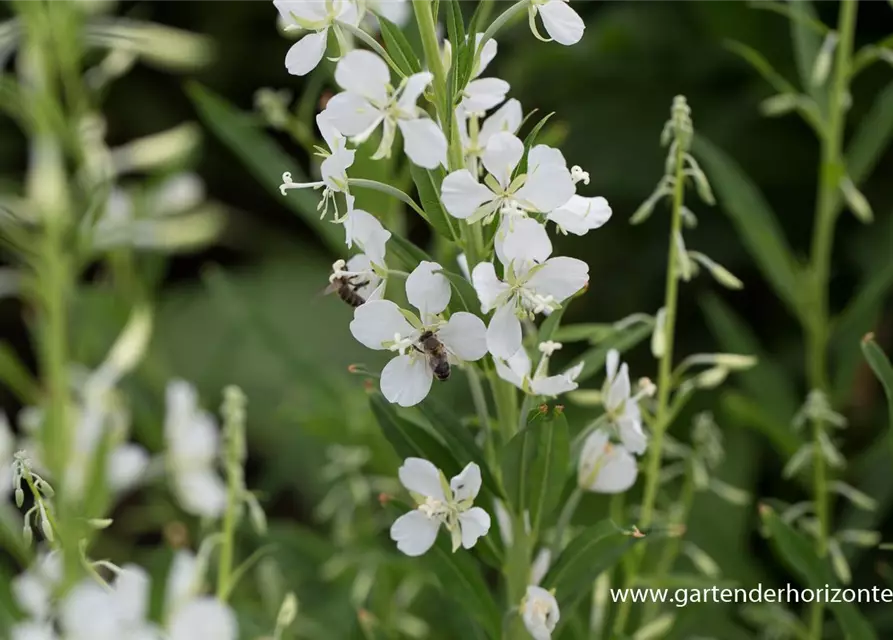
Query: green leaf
{"points": [[768, 381], [428, 185], [456, 34], [407, 253], [263, 158], [550, 325], [796, 550], [749, 413], [594, 550], [534, 465], [623, 340], [465, 295], [591, 332], [880, 364], [873, 134], [16, 376], [529, 141], [462, 581], [398, 47], [854, 322], [807, 42], [458, 438], [410, 440], [762, 66], [754, 220]]}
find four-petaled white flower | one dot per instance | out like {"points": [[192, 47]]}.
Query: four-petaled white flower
{"points": [[580, 215], [193, 449], [316, 16], [369, 100], [605, 467], [562, 23], [516, 370], [546, 186], [621, 406], [337, 159], [366, 231], [539, 611], [482, 94], [439, 503], [533, 283], [381, 324]]}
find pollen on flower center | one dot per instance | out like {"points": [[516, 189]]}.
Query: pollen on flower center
{"points": [[434, 508], [399, 343]]}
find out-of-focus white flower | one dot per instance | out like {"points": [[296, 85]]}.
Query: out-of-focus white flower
{"points": [[439, 503], [7, 448], [621, 406], [397, 11], [193, 448], [580, 215], [317, 17], [533, 283], [482, 94], [382, 325], [337, 159], [30, 630], [605, 467], [546, 186], [539, 611], [369, 100], [540, 566], [517, 371], [33, 589], [188, 614], [562, 23]]}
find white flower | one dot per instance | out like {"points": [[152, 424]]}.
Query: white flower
{"points": [[439, 503], [622, 407], [517, 371], [33, 589], [316, 16], [381, 324], [333, 170], [7, 448], [580, 215], [369, 100], [562, 23], [361, 275], [540, 566], [193, 447], [364, 230], [539, 611], [605, 467], [188, 614], [397, 11], [506, 119], [482, 94], [546, 186], [533, 283]]}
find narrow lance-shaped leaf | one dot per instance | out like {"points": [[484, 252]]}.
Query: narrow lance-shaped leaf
{"points": [[428, 185], [873, 135], [880, 364], [398, 47], [623, 340]]}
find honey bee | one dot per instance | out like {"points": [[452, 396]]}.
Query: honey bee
{"points": [[347, 290], [436, 354]]}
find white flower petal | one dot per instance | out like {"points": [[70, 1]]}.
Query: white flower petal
{"points": [[352, 114], [606, 467], [579, 215], [200, 491], [131, 594], [474, 523], [484, 94], [367, 232], [549, 184], [183, 580], [487, 54], [501, 156], [631, 434], [397, 11], [506, 118], [462, 261], [619, 390], [305, 54], [562, 23], [204, 617], [506, 373], [126, 465], [415, 86], [364, 73], [467, 484], [461, 194], [422, 477], [504, 333], [464, 336], [612, 362], [487, 285], [540, 613], [378, 321], [423, 142], [526, 243], [560, 278], [540, 566], [33, 630], [305, 10], [88, 611], [427, 289], [405, 380], [552, 386], [414, 532]]}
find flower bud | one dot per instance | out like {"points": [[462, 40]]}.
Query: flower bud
{"points": [[658, 336], [44, 487], [27, 534], [856, 497], [856, 201], [822, 66], [839, 563], [287, 612], [702, 561], [47, 529], [779, 105], [797, 461], [859, 537], [20, 497], [100, 523]]}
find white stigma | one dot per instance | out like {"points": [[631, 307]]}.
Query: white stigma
{"points": [[578, 175], [400, 344], [549, 347]]}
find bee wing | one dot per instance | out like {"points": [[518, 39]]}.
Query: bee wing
{"points": [[332, 288]]}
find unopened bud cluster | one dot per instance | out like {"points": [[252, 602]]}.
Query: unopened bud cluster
{"points": [[41, 490]]}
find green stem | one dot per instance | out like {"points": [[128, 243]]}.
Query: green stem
{"points": [[506, 406], [480, 404], [234, 487], [816, 325], [375, 185], [564, 519]]}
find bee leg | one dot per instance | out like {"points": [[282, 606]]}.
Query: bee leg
{"points": [[359, 285]]}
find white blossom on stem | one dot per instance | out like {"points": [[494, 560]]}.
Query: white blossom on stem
{"points": [[369, 100], [439, 503], [365, 230], [621, 406], [580, 215], [187, 613], [605, 467], [316, 17], [546, 186], [362, 276], [397, 11], [539, 611], [382, 325], [506, 119], [562, 23], [193, 450], [517, 371], [337, 159], [482, 94], [533, 283]]}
